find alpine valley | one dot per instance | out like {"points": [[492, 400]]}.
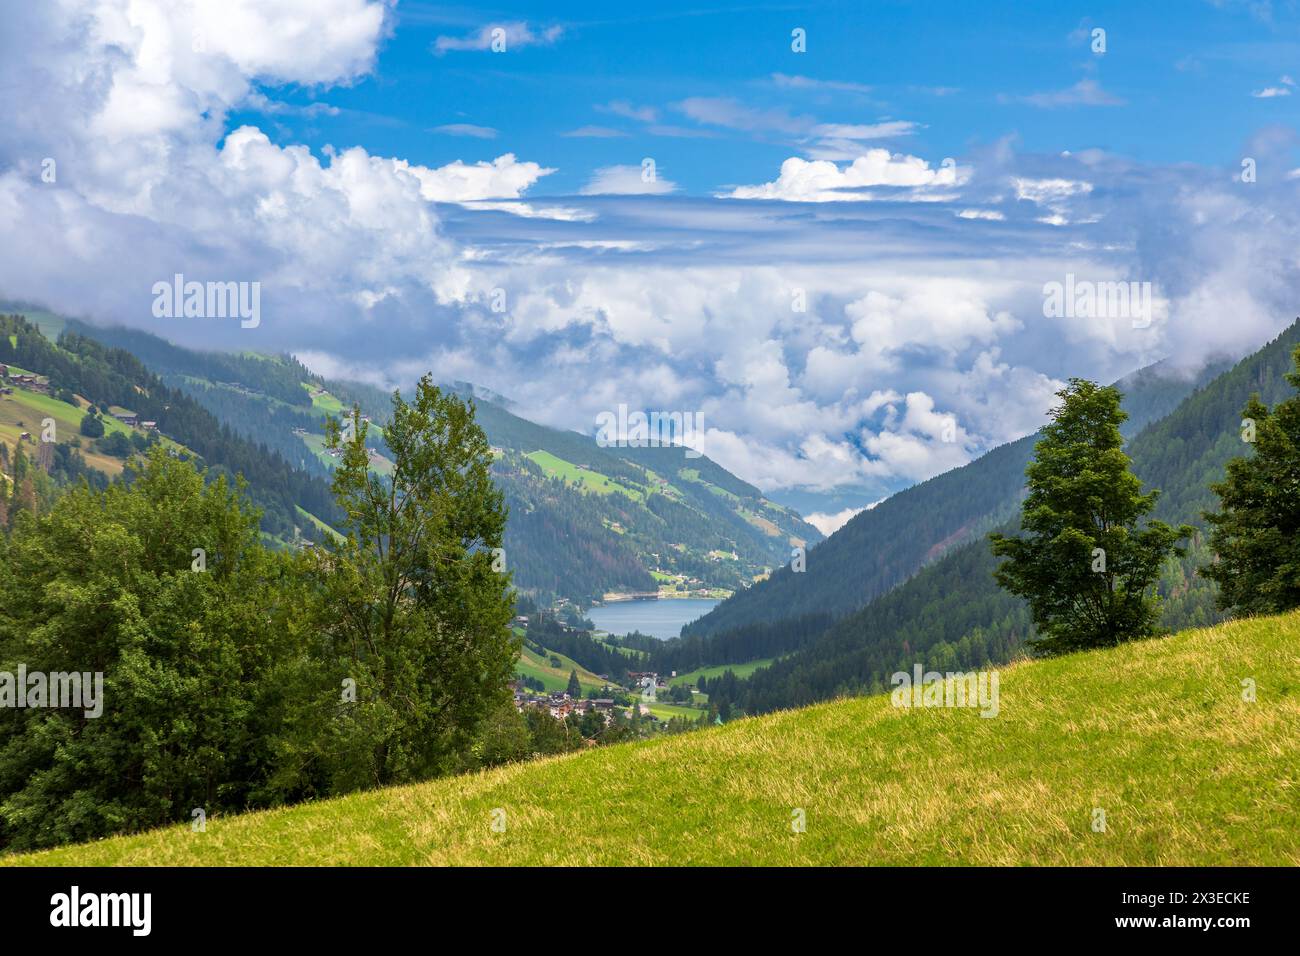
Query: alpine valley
{"points": [[587, 523]]}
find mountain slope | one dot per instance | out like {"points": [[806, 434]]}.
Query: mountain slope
{"points": [[953, 613], [886, 545], [584, 520], [258, 397], [85, 370], [632, 519], [1156, 734], [23, 410]]}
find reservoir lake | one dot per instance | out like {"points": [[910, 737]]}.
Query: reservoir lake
{"points": [[658, 618]]}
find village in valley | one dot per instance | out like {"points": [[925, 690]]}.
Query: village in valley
{"points": [[561, 705], [596, 702]]}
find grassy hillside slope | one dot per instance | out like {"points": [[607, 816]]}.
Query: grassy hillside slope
{"points": [[556, 679], [24, 411], [1156, 734]]}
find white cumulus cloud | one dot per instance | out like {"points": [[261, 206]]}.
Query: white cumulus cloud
{"points": [[823, 181], [503, 178]]}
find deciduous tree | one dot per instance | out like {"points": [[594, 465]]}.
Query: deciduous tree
{"points": [[412, 611]]}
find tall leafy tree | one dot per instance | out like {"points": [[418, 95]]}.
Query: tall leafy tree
{"points": [[575, 687], [1086, 567], [1256, 534], [108, 582], [415, 602]]}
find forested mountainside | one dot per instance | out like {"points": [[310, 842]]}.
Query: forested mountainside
{"points": [[88, 372], [584, 520], [279, 377], [260, 397], [633, 519], [879, 548], [952, 615]]}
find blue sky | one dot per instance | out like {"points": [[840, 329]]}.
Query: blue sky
{"points": [[1177, 78], [841, 261]]}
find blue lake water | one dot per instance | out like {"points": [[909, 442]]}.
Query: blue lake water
{"points": [[661, 619]]}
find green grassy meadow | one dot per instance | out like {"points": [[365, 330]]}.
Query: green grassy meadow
{"points": [[717, 670], [665, 709], [311, 519], [324, 401], [556, 679], [587, 480], [24, 410], [1157, 734]]}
